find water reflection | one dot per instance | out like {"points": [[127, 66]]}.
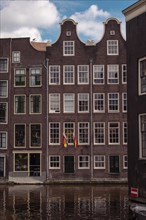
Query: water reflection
{"points": [[63, 202]]}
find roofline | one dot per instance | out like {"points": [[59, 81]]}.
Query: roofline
{"points": [[68, 19], [112, 18]]}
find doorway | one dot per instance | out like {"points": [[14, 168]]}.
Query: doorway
{"points": [[69, 164]]}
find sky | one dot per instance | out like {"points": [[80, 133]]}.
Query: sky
{"points": [[39, 19]]}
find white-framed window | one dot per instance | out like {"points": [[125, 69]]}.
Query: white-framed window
{"points": [[114, 133], [113, 102], [20, 135], [35, 135], [83, 162], [83, 74], [69, 130], [124, 102], [54, 162], [68, 71], [54, 74], [54, 133], [3, 139], [114, 164], [142, 135], [2, 165], [142, 75], [16, 57], [99, 133], [3, 65], [112, 47], [68, 48], [83, 133], [125, 162], [99, 102], [54, 103], [3, 112], [3, 88], [124, 73], [125, 133], [20, 77], [98, 74], [83, 102], [35, 103], [35, 77], [99, 162], [20, 104], [69, 102], [113, 74]]}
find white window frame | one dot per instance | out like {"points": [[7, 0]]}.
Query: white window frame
{"points": [[98, 74], [125, 161], [6, 140], [112, 71], [142, 128], [112, 47], [18, 75], [125, 133], [140, 76], [124, 102], [15, 56], [69, 69], [70, 101], [87, 133], [52, 103], [84, 162], [54, 70], [101, 160], [68, 50], [55, 162], [6, 119], [83, 97], [109, 131], [31, 74], [69, 132], [4, 156], [113, 100], [99, 101], [4, 89], [20, 146], [40, 105], [124, 73], [83, 74], [103, 129], [30, 133], [20, 95], [5, 71], [52, 143]]}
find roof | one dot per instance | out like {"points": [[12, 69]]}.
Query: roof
{"points": [[40, 46]]}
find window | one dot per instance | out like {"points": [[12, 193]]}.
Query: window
{"points": [[83, 74], [69, 129], [98, 74], [16, 56], [68, 48], [83, 162], [35, 77], [68, 71], [21, 162], [113, 102], [20, 135], [54, 162], [142, 75], [54, 75], [83, 133], [124, 100], [125, 133], [54, 132], [20, 104], [114, 164], [99, 162], [3, 65], [142, 135], [113, 74], [99, 102], [35, 104], [2, 166], [20, 77], [99, 133], [3, 89], [83, 102], [35, 131], [112, 47], [54, 103], [114, 133], [69, 103], [3, 139], [124, 73], [125, 162], [3, 113]]}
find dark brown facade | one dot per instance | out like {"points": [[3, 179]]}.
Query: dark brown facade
{"points": [[83, 87]]}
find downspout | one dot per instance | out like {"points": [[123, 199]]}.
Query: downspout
{"points": [[91, 119]]}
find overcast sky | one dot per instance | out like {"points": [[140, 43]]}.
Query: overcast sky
{"points": [[40, 19]]}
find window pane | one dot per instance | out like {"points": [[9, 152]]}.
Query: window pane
{"points": [[20, 77], [99, 132], [143, 75], [68, 74], [83, 102], [3, 65], [21, 162], [19, 135], [99, 162], [3, 113], [54, 133], [143, 134], [54, 102], [68, 48], [69, 103], [36, 135], [54, 75], [20, 104], [113, 74], [3, 89], [83, 74], [114, 133], [114, 164], [98, 74], [83, 162], [112, 47], [35, 77], [54, 162], [113, 101], [84, 133], [99, 102], [69, 132], [3, 140], [35, 104]]}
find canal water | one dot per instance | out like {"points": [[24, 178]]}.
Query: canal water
{"points": [[63, 202]]}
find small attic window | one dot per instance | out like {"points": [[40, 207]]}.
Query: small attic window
{"points": [[68, 33], [112, 32]]}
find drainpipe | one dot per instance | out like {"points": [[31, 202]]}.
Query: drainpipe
{"points": [[91, 118]]}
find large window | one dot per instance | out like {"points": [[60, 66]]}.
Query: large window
{"points": [[142, 135], [3, 139], [68, 48], [142, 75], [3, 65], [114, 164], [124, 102], [124, 73], [83, 102], [112, 47], [83, 74], [3, 113], [20, 135], [113, 102], [20, 104], [3, 89], [69, 103], [99, 162], [99, 133], [83, 131], [68, 71], [114, 132], [54, 132], [35, 104], [98, 74], [16, 56], [125, 133], [54, 103], [69, 129], [99, 102], [83, 162], [35, 132], [35, 77], [54, 162], [54, 75], [113, 74], [20, 77]]}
